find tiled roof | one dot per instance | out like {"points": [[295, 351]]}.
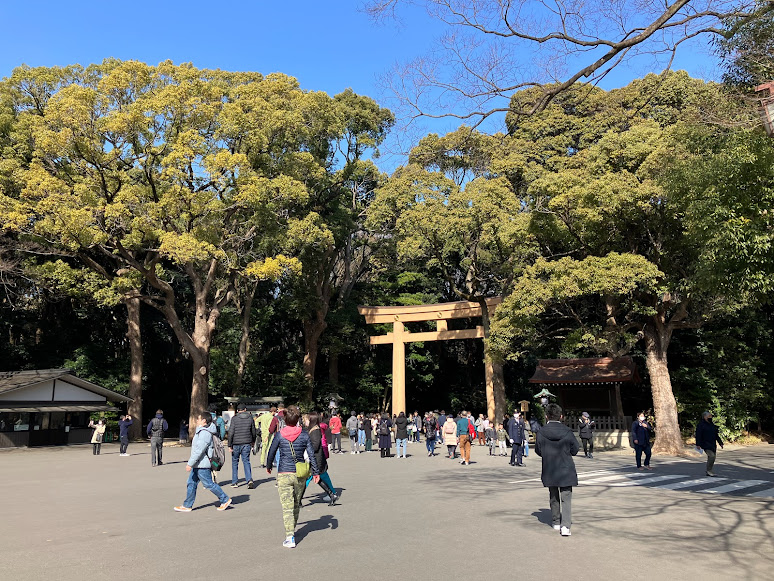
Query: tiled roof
{"points": [[580, 371], [13, 380]]}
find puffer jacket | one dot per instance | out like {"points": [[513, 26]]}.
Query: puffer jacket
{"points": [[242, 429], [557, 444], [291, 436]]}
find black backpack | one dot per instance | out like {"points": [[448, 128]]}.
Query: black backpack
{"points": [[384, 429], [218, 457]]}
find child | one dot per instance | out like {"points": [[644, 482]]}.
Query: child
{"points": [[502, 436], [491, 439]]}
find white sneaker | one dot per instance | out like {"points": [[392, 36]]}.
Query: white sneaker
{"points": [[326, 498], [565, 532], [557, 527], [290, 542]]}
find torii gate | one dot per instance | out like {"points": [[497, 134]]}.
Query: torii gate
{"points": [[440, 313]]}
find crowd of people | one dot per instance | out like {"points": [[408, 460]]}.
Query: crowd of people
{"points": [[297, 445]]}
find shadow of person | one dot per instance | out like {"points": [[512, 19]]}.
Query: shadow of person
{"points": [[544, 516], [239, 499], [325, 522]]}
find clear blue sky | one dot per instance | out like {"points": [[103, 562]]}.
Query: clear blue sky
{"points": [[328, 45]]}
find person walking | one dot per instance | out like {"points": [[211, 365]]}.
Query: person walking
{"points": [[156, 428], [449, 431], [401, 434], [465, 429], [367, 432], [556, 445], [706, 438], [98, 435], [241, 437], [641, 439], [199, 467], [431, 429], [335, 426], [480, 429], [316, 437], [502, 437], [516, 436], [361, 419], [586, 433], [418, 425], [291, 442], [266, 435], [385, 437], [352, 431], [491, 439], [183, 435], [123, 433]]}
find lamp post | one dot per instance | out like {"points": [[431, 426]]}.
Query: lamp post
{"points": [[767, 106]]}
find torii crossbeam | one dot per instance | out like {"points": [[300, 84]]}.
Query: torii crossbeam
{"points": [[440, 313]]}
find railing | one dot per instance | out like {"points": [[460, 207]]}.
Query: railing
{"points": [[602, 422]]}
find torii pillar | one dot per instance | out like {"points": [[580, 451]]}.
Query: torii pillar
{"points": [[440, 313]]}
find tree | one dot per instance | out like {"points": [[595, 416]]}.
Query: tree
{"points": [[494, 48], [190, 179], [473, 233]]}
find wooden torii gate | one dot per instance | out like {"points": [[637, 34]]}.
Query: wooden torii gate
{"points": [[440, 313]]}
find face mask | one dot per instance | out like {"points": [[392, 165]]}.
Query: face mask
{"points": [[642, 419]]}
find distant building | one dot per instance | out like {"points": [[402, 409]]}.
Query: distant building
{"points": [[49, 407]]}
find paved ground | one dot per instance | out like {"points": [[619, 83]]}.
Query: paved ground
{"points": [[67, 514]]}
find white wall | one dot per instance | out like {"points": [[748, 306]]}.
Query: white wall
{"points": [[69, 392], [39, 392]]}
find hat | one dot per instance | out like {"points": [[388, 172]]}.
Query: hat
{"points": [[585, 414]]}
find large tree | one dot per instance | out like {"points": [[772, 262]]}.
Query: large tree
{"points": [[191, 179]]}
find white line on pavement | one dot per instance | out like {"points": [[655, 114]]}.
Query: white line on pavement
{"points": [[689, 483], [601, 479], [740, 485], [769, 492], [648, 480]]}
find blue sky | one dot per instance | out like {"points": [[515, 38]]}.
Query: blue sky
{"points": [[328, 46]]}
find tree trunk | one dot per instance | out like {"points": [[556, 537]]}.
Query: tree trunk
{"points": [[244, 343], [313, 329], [668, 438], [333, 367], [135, 374]]}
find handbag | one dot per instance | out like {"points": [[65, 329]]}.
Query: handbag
{"points": [[303, 470]]}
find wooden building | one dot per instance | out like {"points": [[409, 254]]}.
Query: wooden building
{"points": [[49, 407]]}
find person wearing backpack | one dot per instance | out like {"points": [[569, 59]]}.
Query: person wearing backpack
{"points": [[199, 466], [385, 438], [156, 428], [431, 428], [241, 435], [292, 471]]}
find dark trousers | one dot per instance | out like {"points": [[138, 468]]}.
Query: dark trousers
{"points": [[710, 459], [336, 445], [588, 446], [517, 451], [560, 499], [124, 444], [369, 443], [96, 449], [157, 445], [639, 449]]}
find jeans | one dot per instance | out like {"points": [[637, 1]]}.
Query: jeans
{"points": [[401, 442], [639, 449], [205, 476], [526, 448], [242, 450], [353, 444], [560, 499], [465, 447], [710, 459], [336, 444], [157, 445], [430, 443], [361, 437], [516, 452], [124, 444]]}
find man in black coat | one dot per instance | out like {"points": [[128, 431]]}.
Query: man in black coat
{"points": [[517, 434], [556, 445], [706, 437], [241, 436]]}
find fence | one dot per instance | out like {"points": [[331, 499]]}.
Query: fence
{"points": [[603, 423]]}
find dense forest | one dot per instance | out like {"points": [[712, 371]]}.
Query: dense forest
{"points": [[183, 235]]}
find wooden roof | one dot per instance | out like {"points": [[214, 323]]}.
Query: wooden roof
{"points": [[582, 371], [14, 380]]}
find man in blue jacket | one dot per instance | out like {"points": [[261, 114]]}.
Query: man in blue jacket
{"points": [[123, 433], [516, 434], [199, 467], [706, 438], [641, 439]]}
